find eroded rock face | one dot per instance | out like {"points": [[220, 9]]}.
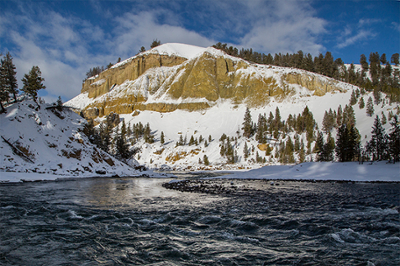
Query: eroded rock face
{"points": [[193, 84], [129, 71]]}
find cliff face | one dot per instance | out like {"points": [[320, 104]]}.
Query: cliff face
{"points": [[112, 77], [165, 83]]}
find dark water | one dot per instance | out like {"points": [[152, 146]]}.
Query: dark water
{"points": [[138, 222]]}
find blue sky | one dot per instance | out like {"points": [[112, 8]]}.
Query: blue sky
{"points": [[66, 37]]}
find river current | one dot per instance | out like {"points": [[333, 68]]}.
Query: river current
{"points": [[136, 221]]}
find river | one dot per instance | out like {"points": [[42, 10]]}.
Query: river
{"points": [[136, 221]]}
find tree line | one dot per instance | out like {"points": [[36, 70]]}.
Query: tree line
{"points": [[346, 147], [32, 82], [383, 78], [118, 140]]}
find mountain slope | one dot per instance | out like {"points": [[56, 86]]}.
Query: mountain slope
{"points": [[197, 83], [207, 95], [42, 139]]}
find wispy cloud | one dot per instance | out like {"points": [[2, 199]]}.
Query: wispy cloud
{"points": [[359, 36], [396, 26], [353, 34], [289, 28]]}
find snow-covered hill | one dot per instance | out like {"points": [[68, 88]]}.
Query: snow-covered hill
{"points": [[44, 140], [223, 87]]}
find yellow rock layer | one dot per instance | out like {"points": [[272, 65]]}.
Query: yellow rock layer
{"points": [[207, 77]]}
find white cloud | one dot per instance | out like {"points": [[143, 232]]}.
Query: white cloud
{"points": [[360, 36], [136, 30], [353, 34], [396, 26], [282, 26]]}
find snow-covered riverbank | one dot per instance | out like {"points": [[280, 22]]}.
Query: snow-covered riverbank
{"points": [[353, 171]]}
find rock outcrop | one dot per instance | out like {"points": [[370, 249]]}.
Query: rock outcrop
{"points": [[165, 83]]}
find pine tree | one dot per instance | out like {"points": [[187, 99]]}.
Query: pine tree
{"points": [[247, 124], [8, 74], [261, 128], [328, 148], [328, 121], [361, 103], [347, 143], [364, 63], [339, 116], [394, 139], [246, 151], [181, 141], [370, 107], [4, 94], [378, 143], [384, 120], [162, 138], [353, 98], [191, 141], [155, 43], [33, 82], [349, 117], [205, 160], [148, 137], [319, 146]]}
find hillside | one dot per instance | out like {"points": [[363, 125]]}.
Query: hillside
{"points": [[205, 92], [192, 81], [44, 140]]}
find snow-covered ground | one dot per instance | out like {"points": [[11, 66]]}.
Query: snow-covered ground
{"points": [[38, 142], [224, 116], [377, 171]]}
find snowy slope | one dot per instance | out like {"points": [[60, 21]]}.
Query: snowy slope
{"points": [[224, 116], [51, 143], [378, 171], [171, 49]]}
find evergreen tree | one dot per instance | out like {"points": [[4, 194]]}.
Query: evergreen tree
{"points": [[361, 103], [33, 82], [378, 143], [328, 121], [353, 98], [394, 139], [162, 138], [364, 63], [4, 95], [349, 117], [155, 43], [181, 141], [191, 141], [328, 148], [247, 124], [339, 116], [148, 137], [319, 147], [370, 107], [121, 146], [246, 152], [205, 160], [384, 120], [261, 129], [347, 143], [395, 59], [142, 49], [8, 75]]}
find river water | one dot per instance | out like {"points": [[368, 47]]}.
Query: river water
{"points": [[136, 221]]}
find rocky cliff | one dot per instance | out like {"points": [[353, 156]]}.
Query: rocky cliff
{"points": [[165, 82]]}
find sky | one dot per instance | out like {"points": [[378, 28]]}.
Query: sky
{"points": [[66, 38]]}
